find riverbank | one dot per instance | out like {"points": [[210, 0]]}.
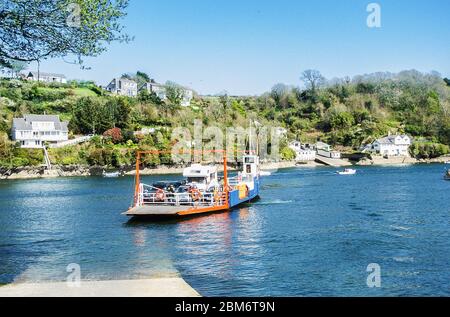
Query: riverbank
{"points": [[380, 161], [159, 287], [83, 171]]}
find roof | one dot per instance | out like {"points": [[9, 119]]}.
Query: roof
{"points": [[41, 74], [127, 80], [25, 122], [390, 139], [20, 124]]}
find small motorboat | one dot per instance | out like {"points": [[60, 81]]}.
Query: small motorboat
{"points": [[111, 174], [347, 171], [265, 173]]}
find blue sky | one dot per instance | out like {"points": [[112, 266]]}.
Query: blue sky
{"points": [[247, 46]]}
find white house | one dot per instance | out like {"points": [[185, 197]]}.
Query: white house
{"points": [[392, 145], [326, 150], [123, 87], [32, 131], [160, 91], [47, 77], [304, 152]]}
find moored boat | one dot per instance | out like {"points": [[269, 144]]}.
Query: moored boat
{"points": [[447, 175], [201, 192], [347, 171], [265, 173], [110, 174]]}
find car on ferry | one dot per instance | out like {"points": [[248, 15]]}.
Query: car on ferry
{"points": [[182, 195]]}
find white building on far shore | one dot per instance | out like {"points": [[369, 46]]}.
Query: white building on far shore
{"points": [[392, 145], [326, 150], [304, 153], [47, 77], [32, 131], [160, 91], [123, 87]]}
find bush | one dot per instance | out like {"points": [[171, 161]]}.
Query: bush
{"points": [[99, 157], [115, 135], [342, 120], [19, 162], [70, 161], [428, 150], [288, 154]]}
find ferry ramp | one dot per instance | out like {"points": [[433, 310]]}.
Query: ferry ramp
{"points": [[158, 287], [332, 162]]}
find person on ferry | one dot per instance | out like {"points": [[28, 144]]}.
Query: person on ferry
{"points": [[171, 189]]}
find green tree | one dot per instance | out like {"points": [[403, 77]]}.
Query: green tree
{"points": [[149, 97], [174, 93], [280, 93], [342, 120], [142, 78], [14, 67], [313, 79], [90, 115], [118, 111], [447, 81], [34, 30]]}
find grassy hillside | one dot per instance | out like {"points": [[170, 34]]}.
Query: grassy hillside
{"points": [[344, 113]]}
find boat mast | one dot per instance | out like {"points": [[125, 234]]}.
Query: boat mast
{"points": [[138, 181], [225, 171], [250, 140]]}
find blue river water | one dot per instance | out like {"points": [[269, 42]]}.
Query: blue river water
{"points": [[312, 233]]}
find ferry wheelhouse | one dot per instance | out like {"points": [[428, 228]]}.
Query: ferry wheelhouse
{"points": [[202, 191]]}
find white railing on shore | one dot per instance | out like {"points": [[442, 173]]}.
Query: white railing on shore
{"points": [[71, 142], [48, 163]]}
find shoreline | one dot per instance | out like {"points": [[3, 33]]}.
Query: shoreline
{"points": [[40, 172]]}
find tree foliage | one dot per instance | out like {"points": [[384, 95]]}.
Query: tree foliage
{"points": [[32, 30], [344, 113], [313, 79], [174, 93]]}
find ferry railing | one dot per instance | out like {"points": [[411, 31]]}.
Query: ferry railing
{"points": [[147, 196]]}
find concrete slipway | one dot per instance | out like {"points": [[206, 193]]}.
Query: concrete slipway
{"points": [[158, 287]]}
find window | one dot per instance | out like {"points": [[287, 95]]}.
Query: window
{"points": [[250, 160], [195, 179]]}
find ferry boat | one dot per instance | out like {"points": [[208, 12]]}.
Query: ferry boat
{"points": [[201, 192]]}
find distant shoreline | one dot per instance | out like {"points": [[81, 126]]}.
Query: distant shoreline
{"points": [[85, 171]]}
